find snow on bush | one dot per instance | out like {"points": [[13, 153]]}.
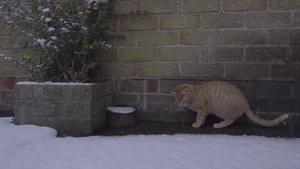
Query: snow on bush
{"points": [[64, 33]]}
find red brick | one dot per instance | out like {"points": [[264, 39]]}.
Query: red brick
{"points": [[296, 89], [269, 88], [267, 54], [8, 97], [167, 85], [285, 104], [260, 103], [297, 19], [7, 83], [295, 37], [241, 84], [294, 55], [286, 71], [246, 71], [244, 37], [279, 37]]}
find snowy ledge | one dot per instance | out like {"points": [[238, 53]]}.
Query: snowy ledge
{"points": [[122, 110], [54, 83]]}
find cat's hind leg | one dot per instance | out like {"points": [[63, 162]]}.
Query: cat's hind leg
{"points": [[224, 123]]}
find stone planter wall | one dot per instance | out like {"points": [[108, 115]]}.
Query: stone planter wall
{"points": [[71, 109]]}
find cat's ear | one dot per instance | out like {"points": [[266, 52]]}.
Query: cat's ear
{"points": [[174, 91]]}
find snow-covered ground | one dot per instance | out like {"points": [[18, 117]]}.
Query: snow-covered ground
{"points": [[32, 147]]}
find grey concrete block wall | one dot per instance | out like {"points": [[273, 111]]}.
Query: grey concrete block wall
{"points": [[75, 110]]}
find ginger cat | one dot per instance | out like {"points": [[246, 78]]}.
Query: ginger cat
{"points": [[221, 99]]}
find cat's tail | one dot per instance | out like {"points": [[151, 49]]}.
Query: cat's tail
{"points": [[267, 123]]}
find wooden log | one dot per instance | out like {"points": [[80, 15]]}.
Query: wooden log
{"points": [[120, 117]]}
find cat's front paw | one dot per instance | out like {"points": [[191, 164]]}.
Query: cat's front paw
{"points": [[196, 125], [217, 126]]}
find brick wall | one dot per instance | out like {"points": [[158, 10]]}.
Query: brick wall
{"points": [[254, 44], [10, 46]]}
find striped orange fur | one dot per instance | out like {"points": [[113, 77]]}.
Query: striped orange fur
{"points": [[221, 99]]}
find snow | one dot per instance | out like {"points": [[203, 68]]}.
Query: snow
{"points": [[34, 147], [96, 1], [46, 10], [48, 20], [41, 41], [122, 110], [53, 37], [65, 29], [6, 58], [51, 29]]}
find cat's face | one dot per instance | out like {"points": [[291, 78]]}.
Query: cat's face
{"points": [[181, 94]]}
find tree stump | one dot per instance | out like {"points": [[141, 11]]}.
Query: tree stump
{"points": [[120, 117]]}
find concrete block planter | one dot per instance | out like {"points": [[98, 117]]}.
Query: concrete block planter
{"points": [[74, 109]]}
